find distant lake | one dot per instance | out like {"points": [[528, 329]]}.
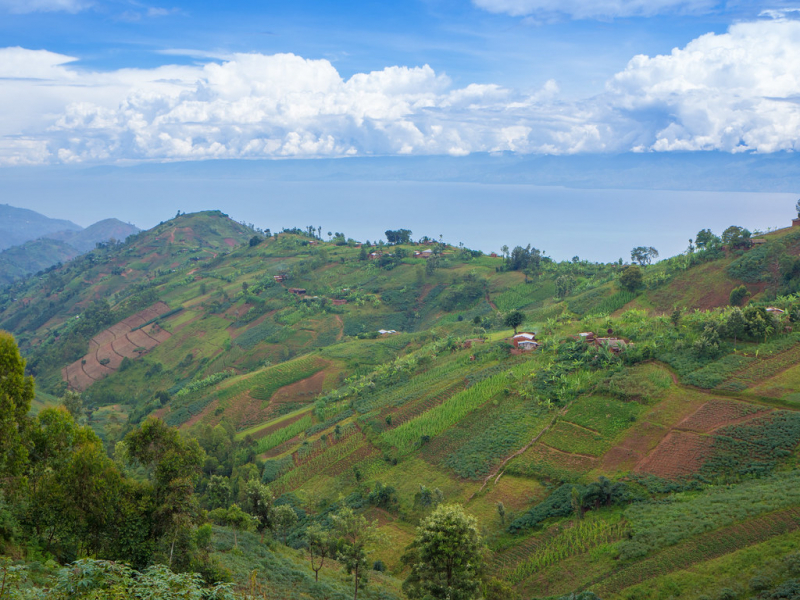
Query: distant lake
{"points": [[599, 224]]}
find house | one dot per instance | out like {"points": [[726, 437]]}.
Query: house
{"points": [[527, 345], [494, 255], [338, 302], [278, 278], [298, 291], [774, 310], [386, 331], [524, 340], [313, 243], [375, 255], [758, 241]]}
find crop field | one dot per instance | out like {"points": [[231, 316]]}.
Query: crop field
{"points": [[754, 447], [607, 416], [717, 413], [482, 446], [762, 369], [411, 410], [407, 436], [262, 384], [571, 438], [284, 434], [700, 549], [523, 295], [572, 541], [543, 462], [680, 454], [319, 464]]}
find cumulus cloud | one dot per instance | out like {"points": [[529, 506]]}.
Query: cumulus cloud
{"points": [[595, 9], [735, 92]]}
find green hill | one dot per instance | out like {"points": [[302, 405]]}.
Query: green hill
{"points": [[655, 458]]}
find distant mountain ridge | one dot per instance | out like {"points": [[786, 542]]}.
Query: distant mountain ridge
{"points": [[20, 225], [54, 240]]}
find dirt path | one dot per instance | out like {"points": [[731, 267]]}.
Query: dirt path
{"points": [[339, 335], [492, 304], [499, 470]]}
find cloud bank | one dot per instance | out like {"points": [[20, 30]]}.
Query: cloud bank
{"points": [[736, 92]]}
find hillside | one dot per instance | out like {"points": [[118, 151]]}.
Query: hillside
{"points": [[655, 458], [31, 257], [20, 225]]}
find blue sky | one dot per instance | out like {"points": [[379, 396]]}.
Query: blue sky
{"points": [[119, 81]]}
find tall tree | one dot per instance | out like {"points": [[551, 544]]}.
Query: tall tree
{"points": [[514, 319], [318, 544], [16, 394], [446, 556], [356, 535], [174, 464]]}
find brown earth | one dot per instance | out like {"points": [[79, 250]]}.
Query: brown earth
{"points": [[679, 454], [633, 448], [718, 413], [113, 344], [300, 391]]}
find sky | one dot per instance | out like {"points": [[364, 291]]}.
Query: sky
{"points": [[88, 82], [100, 98]]}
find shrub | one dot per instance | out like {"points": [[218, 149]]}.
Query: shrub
{"points": [[738, 295]]}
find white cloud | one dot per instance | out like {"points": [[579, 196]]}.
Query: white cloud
{"points": [[734, 92], [594, 9], [29, 6]]}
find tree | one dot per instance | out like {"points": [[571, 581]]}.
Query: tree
{"points": [[259, 504], [238, 521], [356, 535], [446, 556], [318, 544], [564, 285], [501, 512], [514, 319], [736, 237], [738, 294], [16, 394], [399, 236], [735, 324], [643, 255], [631, 278], [504, 250], [705, 239], [174, 464], [284, 517], [218, 491], [73, 402]]}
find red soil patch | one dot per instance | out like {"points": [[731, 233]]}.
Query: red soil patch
{"points": [[631, 450], [301, 391], [230, 241], [718, 413], [114, 344], [679, 454]]}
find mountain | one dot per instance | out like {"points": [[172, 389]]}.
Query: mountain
{"points": [[647, 447], [19, 225], [58, 247], [102, 231]]}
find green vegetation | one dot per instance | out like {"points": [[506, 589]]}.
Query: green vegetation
{"points": [[310, 443]]}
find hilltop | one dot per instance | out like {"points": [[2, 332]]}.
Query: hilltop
{"points": [[647, 447], [19, 225]]}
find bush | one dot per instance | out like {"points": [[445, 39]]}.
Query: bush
{"points": [[738, 295]]}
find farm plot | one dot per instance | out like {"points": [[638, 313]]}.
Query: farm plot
{"points": [[572, 541], [762, 369], [318, 465], [284, 434], [607, 416], [718, 413], [408, 436], [109, 347], [485, 447], [543, 462], [574, 439], [754, 447], [701, 549], [680, 454]]}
